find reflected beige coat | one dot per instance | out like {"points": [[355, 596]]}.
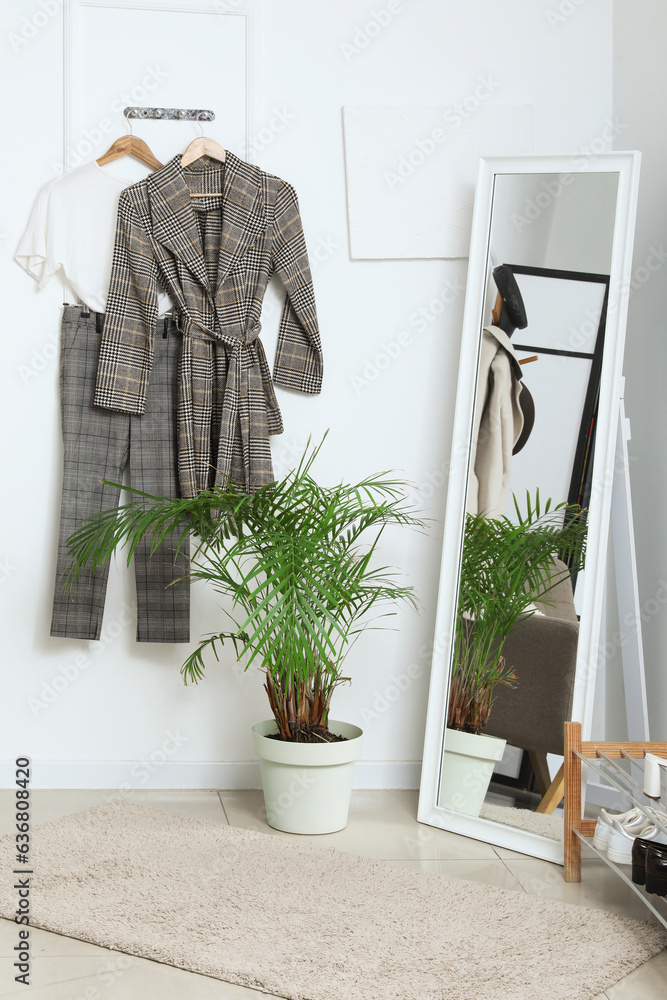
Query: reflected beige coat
{"points": [[497, 424]]}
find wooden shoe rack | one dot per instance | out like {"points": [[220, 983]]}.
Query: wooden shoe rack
{"points": [[578, 830]]}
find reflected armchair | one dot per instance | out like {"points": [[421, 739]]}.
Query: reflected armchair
{"points": [[542, 650]]}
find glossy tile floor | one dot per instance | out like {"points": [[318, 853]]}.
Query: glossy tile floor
{"points": [[382, 825]]}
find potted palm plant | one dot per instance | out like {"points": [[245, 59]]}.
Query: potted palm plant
{"points": [[298, 562], [506, 566]]}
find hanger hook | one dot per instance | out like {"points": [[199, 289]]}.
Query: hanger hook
{"points": [[129, 122], [201, 128]]}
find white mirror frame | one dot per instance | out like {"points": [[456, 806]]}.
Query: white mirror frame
{"points": [[626, 164]]}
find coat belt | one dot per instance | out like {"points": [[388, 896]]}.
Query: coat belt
{"points": [[195, 414]]}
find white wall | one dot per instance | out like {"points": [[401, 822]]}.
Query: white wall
{"points": [[124, 702], [639, 74], [573, 233]]}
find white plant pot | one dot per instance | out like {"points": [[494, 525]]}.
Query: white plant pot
{"points": [[307, 786], [467, 766]]}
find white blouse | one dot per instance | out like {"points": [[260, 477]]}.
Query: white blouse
{"points": [[73, 227]]}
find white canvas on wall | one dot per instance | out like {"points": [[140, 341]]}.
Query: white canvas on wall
{"points": [[411, 173]]}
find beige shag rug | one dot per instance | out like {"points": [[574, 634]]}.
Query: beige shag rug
{"points": [[309, 923]]}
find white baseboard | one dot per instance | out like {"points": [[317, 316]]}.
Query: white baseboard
{"points": [[123, 774], [387, 774]]}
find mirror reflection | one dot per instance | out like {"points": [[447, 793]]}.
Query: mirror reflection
{"points": [[521, 580]]}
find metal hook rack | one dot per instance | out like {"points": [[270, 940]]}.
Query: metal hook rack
{"points": [[171, 114]]}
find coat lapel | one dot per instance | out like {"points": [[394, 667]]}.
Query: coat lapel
{"points": [[173, 217], [175, 226], [243, 217]]}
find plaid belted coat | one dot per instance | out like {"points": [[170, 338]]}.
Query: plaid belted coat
{"points": [[214, 256]]}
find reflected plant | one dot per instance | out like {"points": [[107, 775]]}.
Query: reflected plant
{"points": [[298, 561], [506, 566]]}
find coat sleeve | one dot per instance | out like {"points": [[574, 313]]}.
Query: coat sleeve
{"points": [[298, 363], [128, 337]]}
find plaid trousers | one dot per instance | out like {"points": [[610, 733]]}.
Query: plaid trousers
{"points": [[97, 445]]}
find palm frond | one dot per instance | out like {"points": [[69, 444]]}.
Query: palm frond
{"points": [[296, 559], [506, 566]]}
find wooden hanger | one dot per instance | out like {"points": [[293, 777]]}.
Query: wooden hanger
{"points": [[203, 145], [130, 145]]}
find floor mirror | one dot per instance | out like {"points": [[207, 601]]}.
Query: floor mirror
{"points": [[533, 444]]}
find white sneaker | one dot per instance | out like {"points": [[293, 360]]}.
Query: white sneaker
{"points": [[604, 823], [621, 839]]}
